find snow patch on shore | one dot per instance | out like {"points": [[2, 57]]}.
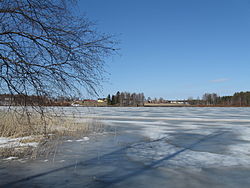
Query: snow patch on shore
{"points": [[6, 142], [10, 158], [83, 139]]}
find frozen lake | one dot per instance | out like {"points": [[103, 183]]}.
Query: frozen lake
{"points": [[146, 147]]}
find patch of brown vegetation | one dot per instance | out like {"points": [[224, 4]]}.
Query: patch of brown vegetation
{"points": [[14, 125]]}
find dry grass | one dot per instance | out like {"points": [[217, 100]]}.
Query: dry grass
{"points": [[15, 124], [48, 130], [19, 152]]}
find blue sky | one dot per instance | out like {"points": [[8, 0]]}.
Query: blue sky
{"points": [[175, 49]]}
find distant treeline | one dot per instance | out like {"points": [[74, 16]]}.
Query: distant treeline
{"points": [[25, 100], [213, 99], [126, 99]]}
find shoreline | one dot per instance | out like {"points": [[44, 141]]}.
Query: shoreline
{"points": [[150, 105]]}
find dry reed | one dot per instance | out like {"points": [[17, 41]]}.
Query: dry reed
{"points": [[46, 129]]}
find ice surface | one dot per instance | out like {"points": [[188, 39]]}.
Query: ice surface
{"points": [[149, 147], [169, 123], [153, 151]]}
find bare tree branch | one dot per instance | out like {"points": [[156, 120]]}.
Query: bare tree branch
{"points": [[47, 51]]}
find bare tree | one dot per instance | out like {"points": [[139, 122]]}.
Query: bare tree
{"points": [[45, 50]]}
